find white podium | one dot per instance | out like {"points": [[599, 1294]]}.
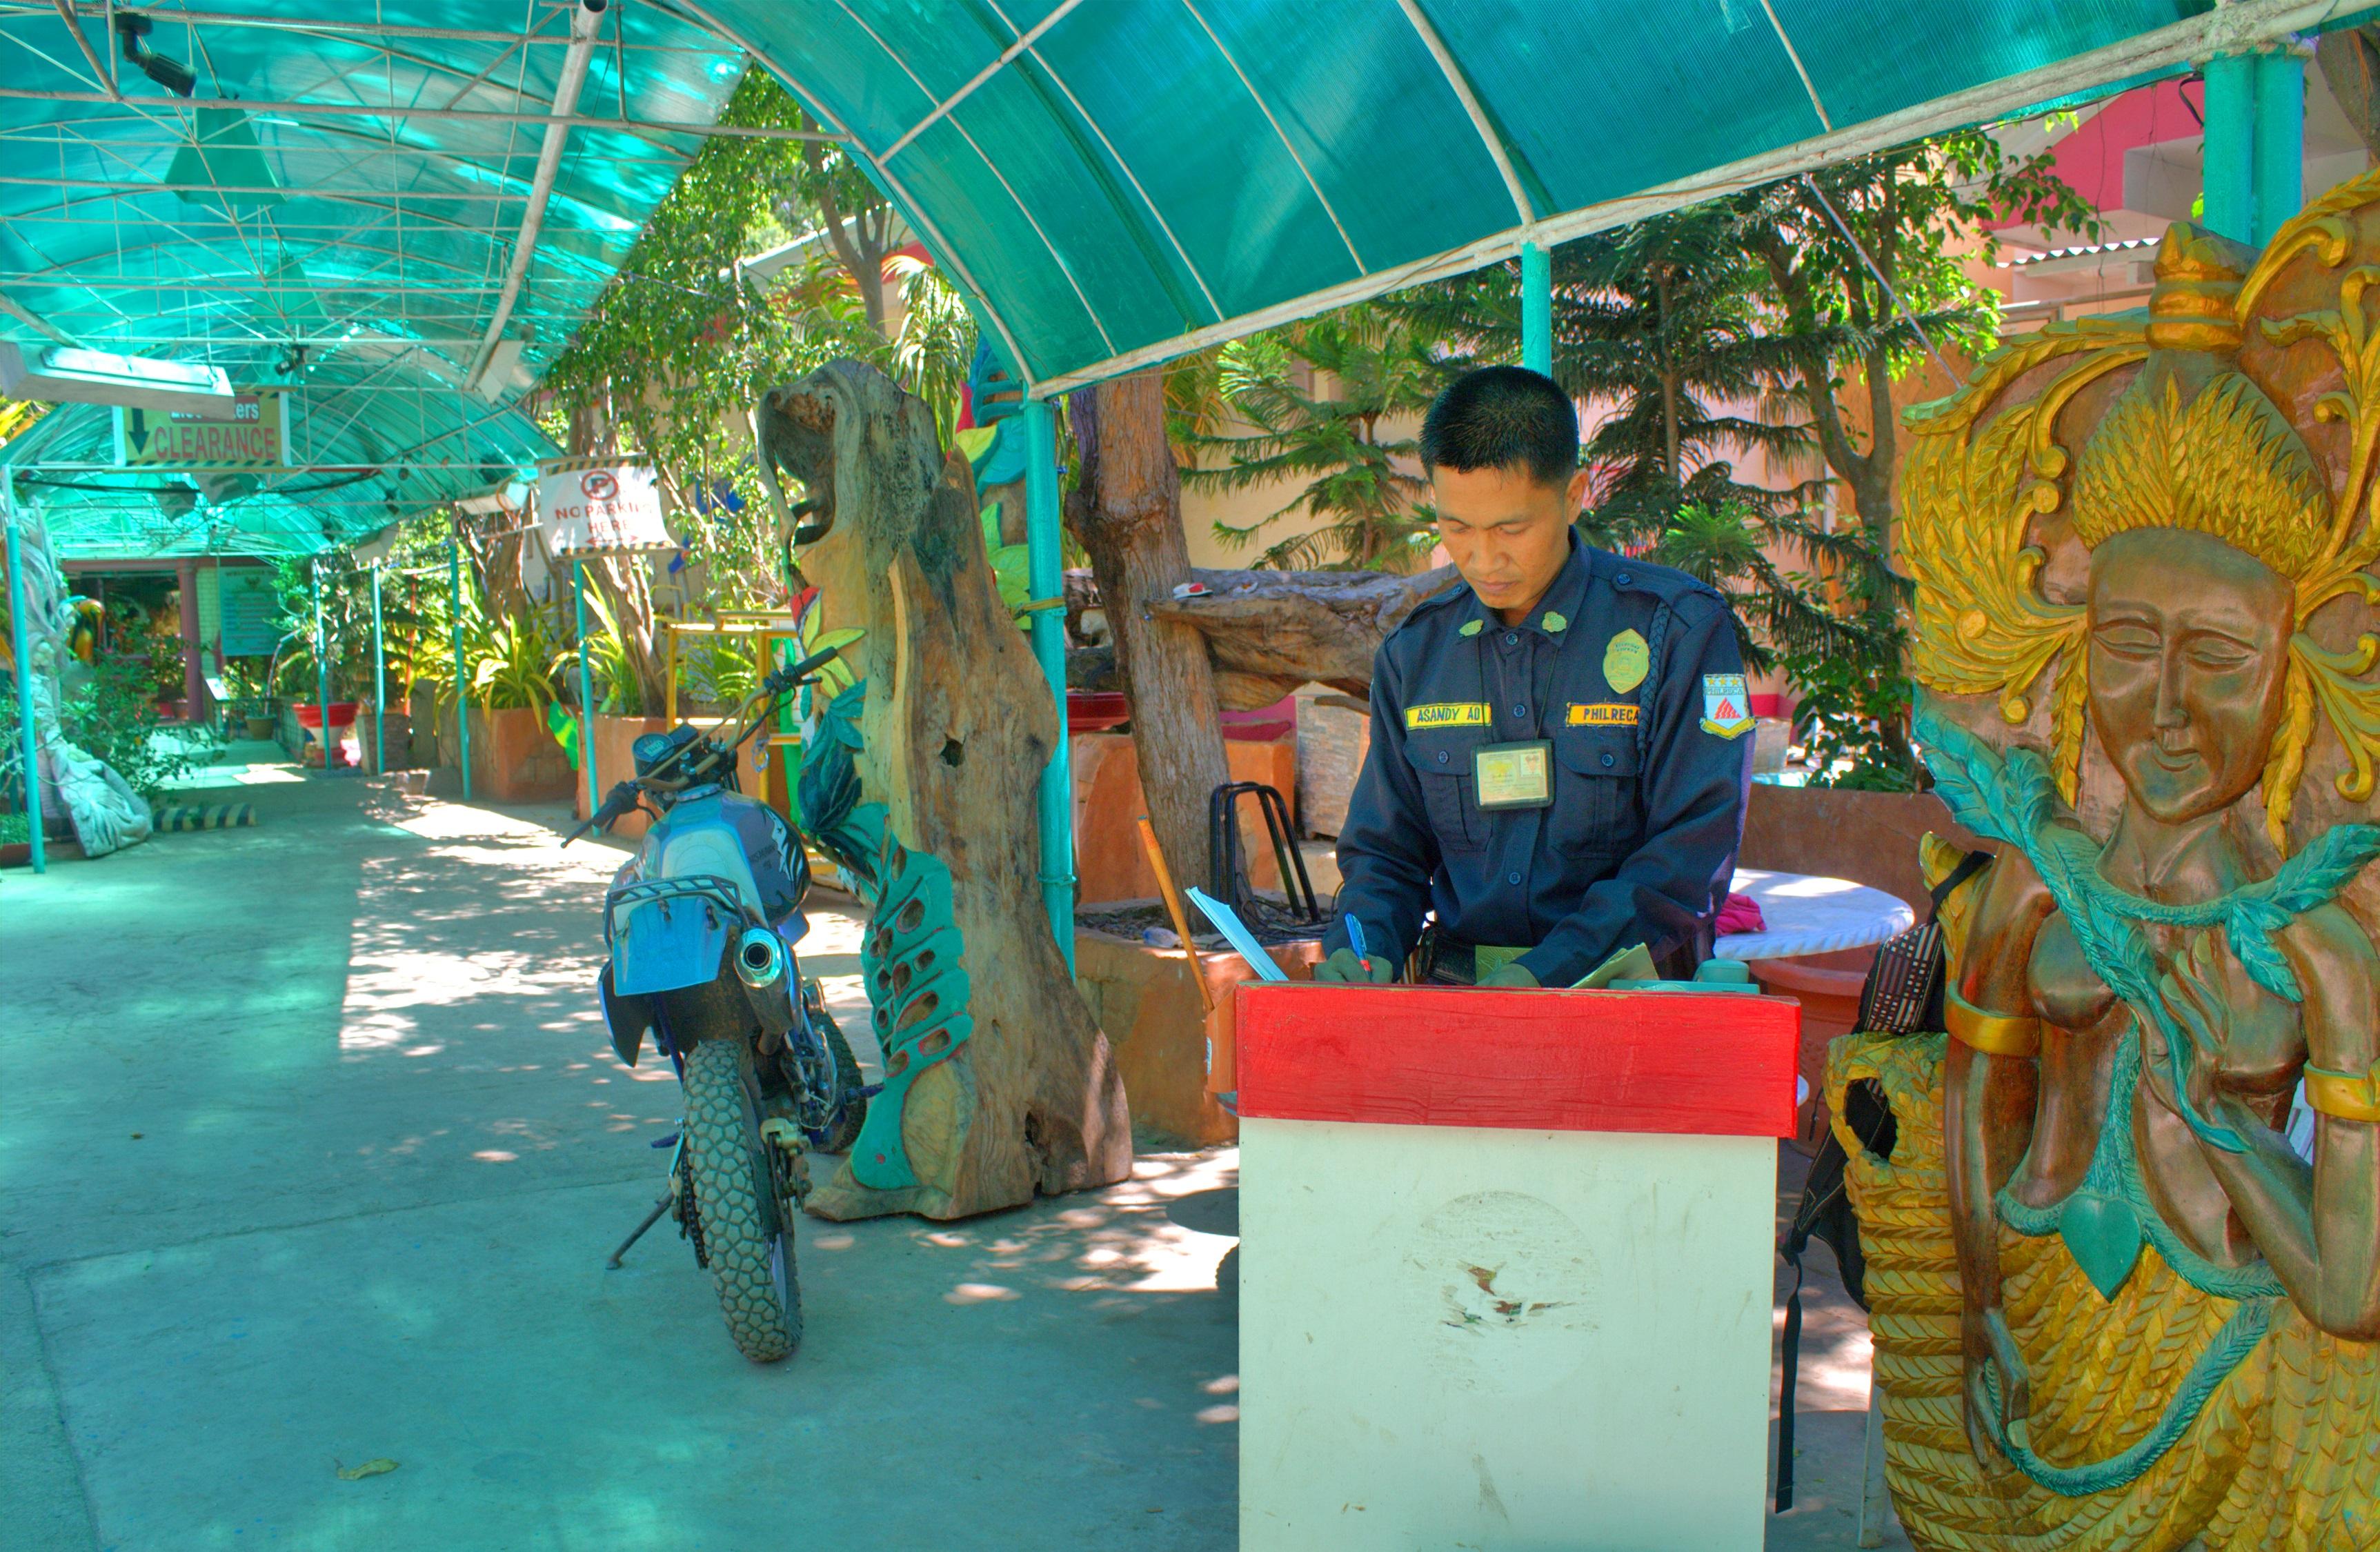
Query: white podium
{"points": [[1505, 1266]]}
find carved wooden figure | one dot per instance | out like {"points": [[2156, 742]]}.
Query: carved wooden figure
{"points": [[920, 781], [2124, 1251]]}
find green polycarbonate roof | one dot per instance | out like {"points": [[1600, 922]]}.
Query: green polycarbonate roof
{"points": [[347, 226], [1121, 180]]}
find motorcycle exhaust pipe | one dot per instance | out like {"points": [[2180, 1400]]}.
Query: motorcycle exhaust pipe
{"points": [[760, 959]]}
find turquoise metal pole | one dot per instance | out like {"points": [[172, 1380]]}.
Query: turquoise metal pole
{"points": [[1044, 578], [322, 669], [1537, 308], [2280, 142], [462, 704], [380, 686], [585, 684], [30, 735], [2229, 158]]}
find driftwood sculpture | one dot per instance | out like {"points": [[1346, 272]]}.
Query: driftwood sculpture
{"points": [[106, 813], [920, 780], [2123, 1244], [1268, 632]]}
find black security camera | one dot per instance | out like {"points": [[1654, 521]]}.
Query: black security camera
{"points": [[171, 74]]}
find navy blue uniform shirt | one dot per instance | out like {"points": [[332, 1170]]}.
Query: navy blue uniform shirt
{"points": [[1632, 672]]}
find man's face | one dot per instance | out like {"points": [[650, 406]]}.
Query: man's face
{"points": [[1507, 532]]}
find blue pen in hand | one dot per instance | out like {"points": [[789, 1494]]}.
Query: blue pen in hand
{"points": [[1356, 942]]}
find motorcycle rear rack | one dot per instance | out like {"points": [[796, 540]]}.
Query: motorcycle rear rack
{"points": [[722, 893]]}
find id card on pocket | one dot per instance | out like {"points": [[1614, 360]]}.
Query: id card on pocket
{"points": [[1515, 775]]}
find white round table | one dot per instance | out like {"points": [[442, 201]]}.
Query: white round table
{"points": [[1810, 914]]}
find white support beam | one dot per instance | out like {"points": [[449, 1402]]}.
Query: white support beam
{"points": [[962, 94], [585, 25], [1460, 84], [99, 71], [400, 111]]}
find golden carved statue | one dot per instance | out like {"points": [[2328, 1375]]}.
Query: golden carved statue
{"points": [[2124, 1249]]}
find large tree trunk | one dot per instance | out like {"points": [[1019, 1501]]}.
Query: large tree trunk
{"points": [[999, 1082], [1127, 511]]}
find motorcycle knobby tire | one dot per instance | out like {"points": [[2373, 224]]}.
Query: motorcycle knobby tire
{"points": [[727, 1169]]}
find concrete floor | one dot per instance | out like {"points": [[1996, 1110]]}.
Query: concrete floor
{"points": [[311, 1150]]}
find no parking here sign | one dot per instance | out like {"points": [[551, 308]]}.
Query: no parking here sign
{"points": [[587, 505]]}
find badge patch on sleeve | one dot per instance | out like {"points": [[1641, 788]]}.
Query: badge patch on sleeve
{"points": [[1601, 714], [1726, 705], [1446, 714]]}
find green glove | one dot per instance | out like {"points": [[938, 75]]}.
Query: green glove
{"points": [[1513, 974], [1344, 968]]}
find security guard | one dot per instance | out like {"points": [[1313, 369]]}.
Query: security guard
{"points": [[1560, 761]]}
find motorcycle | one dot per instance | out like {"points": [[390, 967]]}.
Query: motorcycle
{"points": [[700, 926]]}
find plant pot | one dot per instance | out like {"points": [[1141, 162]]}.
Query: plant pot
{"points": [[396, 735], [1144, 1000], [612, 740], [1108, 858], [256, 729], [514, 759]]}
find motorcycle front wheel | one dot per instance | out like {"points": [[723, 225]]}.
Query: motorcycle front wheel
{"points": [[747, 1235]]}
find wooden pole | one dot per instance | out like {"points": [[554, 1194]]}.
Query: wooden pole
{"points": [[1174, 908], [29, 735], [2228, 179], [380, 684], [322, 669], [1045, 581], [462, 702], [1537, 308], [2280, 140], [586, 685]]}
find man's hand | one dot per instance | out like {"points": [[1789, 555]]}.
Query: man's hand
{"points": [[1344, 967], [1515, 975]]}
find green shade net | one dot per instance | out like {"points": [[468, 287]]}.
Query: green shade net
{"points": [[1148, 169], [356, 259]]}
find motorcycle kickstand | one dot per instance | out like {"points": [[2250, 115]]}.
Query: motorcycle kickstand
{"points": [[651, 1218]]}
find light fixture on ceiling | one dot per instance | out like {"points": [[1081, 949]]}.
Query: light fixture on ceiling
{"points": [[64, 374], [171, 74]]}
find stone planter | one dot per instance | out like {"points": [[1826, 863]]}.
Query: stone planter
{"points": [[369, 736], [514, 759], [612, 739], [1146, 1001], [1869, 838], [1108, 802]]}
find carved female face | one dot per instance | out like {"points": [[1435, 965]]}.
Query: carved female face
{"points": [[2189, 654]]}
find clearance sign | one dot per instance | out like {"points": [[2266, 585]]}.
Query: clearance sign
{"points": [[584, 506], [251, 432]]}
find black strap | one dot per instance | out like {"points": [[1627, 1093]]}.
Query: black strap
{"points": [[1793, 1362], [1969, 866]]}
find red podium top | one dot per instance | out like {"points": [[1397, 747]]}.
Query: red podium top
{"points": [[1720, 1063]]}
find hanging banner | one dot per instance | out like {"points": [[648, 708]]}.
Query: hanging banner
{"points": [[584, 507], [251, 431]]}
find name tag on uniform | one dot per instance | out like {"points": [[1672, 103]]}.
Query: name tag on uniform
{"points": [[1515, 775], [1447, 713]]}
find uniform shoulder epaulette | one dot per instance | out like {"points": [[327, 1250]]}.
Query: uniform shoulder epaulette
{"points": [[1681, 591], [1436, 601]]}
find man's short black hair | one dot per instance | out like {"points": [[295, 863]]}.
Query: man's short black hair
{"points": [[1503, 417]]}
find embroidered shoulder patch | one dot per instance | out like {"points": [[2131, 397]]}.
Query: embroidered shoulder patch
{"points": [[1447, 713], [1726, 705], [1602, 714]]}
